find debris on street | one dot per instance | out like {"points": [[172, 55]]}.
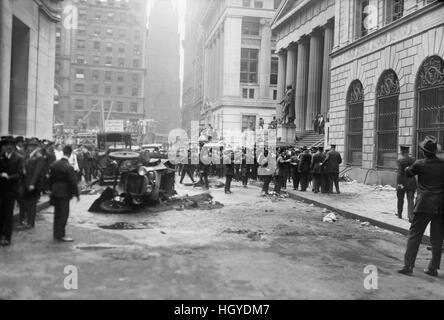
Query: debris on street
{"points": [[331, 217]]}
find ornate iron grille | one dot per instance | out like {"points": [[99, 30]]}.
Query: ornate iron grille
{"points": [[387, 93], [355, 102], [135, 184], [430, 85]]}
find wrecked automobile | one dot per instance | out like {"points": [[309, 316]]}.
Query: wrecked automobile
{"points": [[139, 182]]}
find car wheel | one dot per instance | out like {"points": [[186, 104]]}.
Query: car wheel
{"points": [[113, 206]]}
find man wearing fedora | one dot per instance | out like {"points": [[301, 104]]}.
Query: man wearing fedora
{"points": [[428, 208], [32, 183], [406, 186], [11, 172]]}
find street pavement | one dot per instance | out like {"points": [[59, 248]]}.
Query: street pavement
{"points": [[376, 204], [251, 248]]}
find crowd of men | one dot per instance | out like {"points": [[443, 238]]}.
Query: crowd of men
{"points": [[31, 167], [284, 165]]}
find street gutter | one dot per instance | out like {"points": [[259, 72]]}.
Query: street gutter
{"points": [[351, 215]]}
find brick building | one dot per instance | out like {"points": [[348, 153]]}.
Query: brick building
{"points": [[100, 62], [27, 55], [193, 85], [387, 82]]}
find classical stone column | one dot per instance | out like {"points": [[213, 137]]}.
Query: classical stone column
{"points": [[5, 64], [232, 56], [265, 60], [281, 81], [290, 75], [326, 74], [301, 84], [314, 79], [216, 66]]}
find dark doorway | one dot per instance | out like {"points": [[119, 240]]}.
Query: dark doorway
{"points": [[18, 104]]}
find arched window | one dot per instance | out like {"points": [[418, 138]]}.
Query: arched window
{"points": [[387, 106], [355, 122], [430, 95]]}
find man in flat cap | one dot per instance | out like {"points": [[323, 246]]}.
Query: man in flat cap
{"points": [[429, 207], [11, 172], [406, 185]]}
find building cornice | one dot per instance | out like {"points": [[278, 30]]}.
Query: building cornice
{"points": [[50, 8], [278, 21], [404, 20]]}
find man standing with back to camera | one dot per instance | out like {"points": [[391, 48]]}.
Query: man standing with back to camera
{"points": [[405, 185], [429, 207], [63, 184]]}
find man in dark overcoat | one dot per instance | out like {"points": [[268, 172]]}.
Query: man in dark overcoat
{"points": [[331, 164], [63, 184], [429, 207], [405, 185], [11, 174], [32, 183]]}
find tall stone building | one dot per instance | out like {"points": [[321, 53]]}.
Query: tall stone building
{"points": [[163, 67], [100, 68], [241, 65], [27, 56], [387, 82], [193, 45], [305, 40]]}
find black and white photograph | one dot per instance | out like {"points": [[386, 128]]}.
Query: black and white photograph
{"points": [[221, 155]]}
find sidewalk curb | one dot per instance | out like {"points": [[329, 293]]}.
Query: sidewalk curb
{"points": [[351, 215]]}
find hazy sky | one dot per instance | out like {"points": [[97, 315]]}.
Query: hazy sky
{"points": [[181, 6]]}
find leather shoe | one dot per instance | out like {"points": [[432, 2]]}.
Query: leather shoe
{"points": [[406, 270], [431, 272], [5, 243], [65, 239]]}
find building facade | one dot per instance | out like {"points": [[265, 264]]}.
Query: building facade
{"points": [[27, 56], [193, 45], [240, 77], [163, 67], [100, 67], [387, 82], [305, 31]]}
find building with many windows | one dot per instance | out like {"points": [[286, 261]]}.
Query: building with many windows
{"points": [[27, 56], [100, 66], [387, 82], [193, 85], [240, 68]]}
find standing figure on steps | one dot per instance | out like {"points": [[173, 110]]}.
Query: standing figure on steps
{"points": [[286, 103]]}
